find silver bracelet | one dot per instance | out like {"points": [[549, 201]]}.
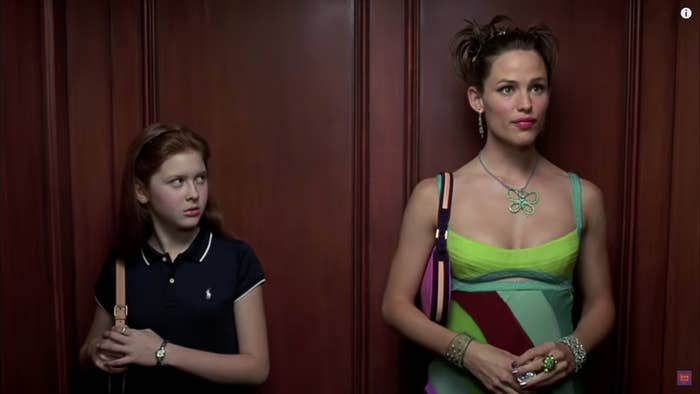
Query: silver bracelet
{"points": [[576, 349]]}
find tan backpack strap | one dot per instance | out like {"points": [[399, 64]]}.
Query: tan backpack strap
{"points": [[120, 308]]}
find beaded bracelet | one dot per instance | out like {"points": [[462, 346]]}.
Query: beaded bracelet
{"points": [[456, 349], [576, 349]]}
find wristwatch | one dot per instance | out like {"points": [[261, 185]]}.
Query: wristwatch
{"points": [[160, 353]]}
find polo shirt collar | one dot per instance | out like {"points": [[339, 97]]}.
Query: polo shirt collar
{"points": [[196, 252]]}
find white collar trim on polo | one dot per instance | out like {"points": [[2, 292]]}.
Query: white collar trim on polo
{"points": [[201, 259]]}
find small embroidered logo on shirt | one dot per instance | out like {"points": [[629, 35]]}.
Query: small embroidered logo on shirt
{"points": [[207, 294]]}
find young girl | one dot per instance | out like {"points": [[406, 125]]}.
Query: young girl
{"points": [[519, 229], [195, 305]]}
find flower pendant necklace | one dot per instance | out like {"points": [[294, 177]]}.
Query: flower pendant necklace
{"points": [[519, 200]]}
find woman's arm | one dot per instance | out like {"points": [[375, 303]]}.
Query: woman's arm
{"points": [[492, 366], [598, 311], [407, 267], [598, 308], [250, 366]]}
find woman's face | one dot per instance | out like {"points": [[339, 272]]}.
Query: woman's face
{"points": [[177, 193], [515, 97]]}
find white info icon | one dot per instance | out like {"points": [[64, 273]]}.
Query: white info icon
{"points": [[686, 13]]}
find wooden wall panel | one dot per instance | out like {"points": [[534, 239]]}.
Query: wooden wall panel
{"points": [[681, 350], [387, 178], [271, 87], [644, 302], [90, 102], [130, 58], [58, 223], [106, 100], [322, 116], [35, 249]]}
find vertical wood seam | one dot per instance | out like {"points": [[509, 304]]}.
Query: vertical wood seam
{"points": [[360, 217], [116, 175], [55, 200], [412, 102], [631, 157], [52, 231], [150, 65]]}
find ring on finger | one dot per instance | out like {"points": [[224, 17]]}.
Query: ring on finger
{"points": [[524, 377], [549, 364], [123, 330]]}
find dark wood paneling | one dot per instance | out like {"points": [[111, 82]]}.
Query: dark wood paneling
{"points": [[34, 244], [270, 84], [90, 103], [386, 177], [58, 223], [130, 60], [360, 203], [647, 280], [681, 350], [322, 116], [627, 212]]}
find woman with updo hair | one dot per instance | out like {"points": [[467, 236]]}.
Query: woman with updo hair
{"points": [[520, 228]]}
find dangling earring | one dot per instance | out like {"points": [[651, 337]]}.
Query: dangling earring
{"points": [[481, 125]]}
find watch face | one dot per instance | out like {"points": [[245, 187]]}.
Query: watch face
{"points": [[160, 353]]}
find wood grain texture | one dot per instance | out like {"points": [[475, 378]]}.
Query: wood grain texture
{"points": [[681, 347], [322, 116], [272, 85], [93, 171], [35, 246], [648, 274]]}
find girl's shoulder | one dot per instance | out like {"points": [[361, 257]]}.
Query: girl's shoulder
{"points": [[230, 242]]}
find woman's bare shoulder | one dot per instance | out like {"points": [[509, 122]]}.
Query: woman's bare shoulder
{"points": [[592, 197]]}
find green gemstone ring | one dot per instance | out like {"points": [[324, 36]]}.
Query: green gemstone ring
{"points": [[549, 364]]}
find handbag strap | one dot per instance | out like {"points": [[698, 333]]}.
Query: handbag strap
{"points": [[120, 308], [445, 186]]}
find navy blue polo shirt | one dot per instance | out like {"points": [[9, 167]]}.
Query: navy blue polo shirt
{"points": [[188, 301]]}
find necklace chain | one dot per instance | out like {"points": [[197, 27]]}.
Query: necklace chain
{"points": [[508, 187]]}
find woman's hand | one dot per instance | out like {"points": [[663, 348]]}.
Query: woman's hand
{"points": [[493, 367], [531, 361], [135, 346]]}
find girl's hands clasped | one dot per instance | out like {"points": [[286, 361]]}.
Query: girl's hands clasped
{"points": [[101, 357], [131, 345]]}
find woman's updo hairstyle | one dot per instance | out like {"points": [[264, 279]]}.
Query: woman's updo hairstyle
{"points": [[475, 47]]}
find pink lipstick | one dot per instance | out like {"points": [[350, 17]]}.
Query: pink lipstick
{"points": [[524, 123]]}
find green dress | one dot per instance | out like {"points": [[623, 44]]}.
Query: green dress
{"points": [[513, 299]]}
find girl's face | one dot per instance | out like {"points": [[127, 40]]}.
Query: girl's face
{"points": [[177, 193], [515, 97]]}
